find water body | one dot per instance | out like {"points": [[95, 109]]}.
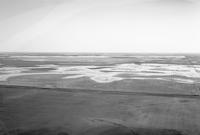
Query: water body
{"points": [[180, 73]]}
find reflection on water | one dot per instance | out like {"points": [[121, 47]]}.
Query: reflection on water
{"points": [[107, 74]]}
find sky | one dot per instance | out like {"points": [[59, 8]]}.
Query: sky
{"points": [[137, 26]]}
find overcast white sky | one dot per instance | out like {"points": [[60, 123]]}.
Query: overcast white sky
{"points": [[100, 26]]}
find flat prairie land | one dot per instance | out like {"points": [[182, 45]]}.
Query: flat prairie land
{"points": [[99, 94]]}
